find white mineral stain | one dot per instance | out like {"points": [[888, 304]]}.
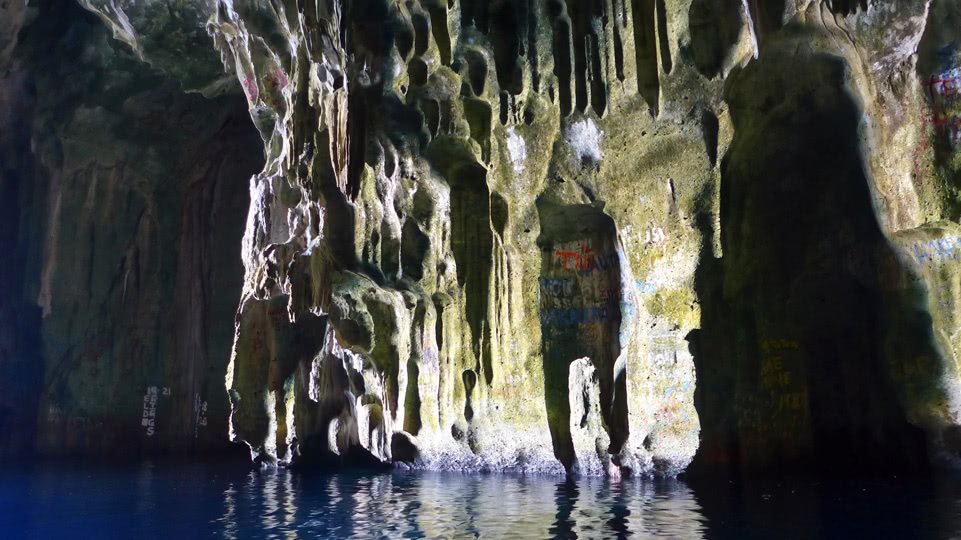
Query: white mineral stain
{"points": [[517, 149], [585, 139]]}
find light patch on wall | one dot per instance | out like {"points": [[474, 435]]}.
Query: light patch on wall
{"points": [[750, 27], [585, 139], [517, 149]]}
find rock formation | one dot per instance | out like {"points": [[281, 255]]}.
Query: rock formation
{"points": [[528, 235]]}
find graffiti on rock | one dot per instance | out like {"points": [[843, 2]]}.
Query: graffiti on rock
{"points": [[943, 93], [575, 315], [148, 420], [558, 287], [655, 235], [274, 82], [585, 261], [200, 414], [582, 302], [942, 249]]}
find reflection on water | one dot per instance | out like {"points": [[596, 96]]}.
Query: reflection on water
{"points": [[171, 501], [280, 504]]}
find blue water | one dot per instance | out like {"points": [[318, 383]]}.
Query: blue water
{"points": [[195, 501]]}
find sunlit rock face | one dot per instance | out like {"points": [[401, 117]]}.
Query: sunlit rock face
{"points": [[474, 241], [532, 235]]}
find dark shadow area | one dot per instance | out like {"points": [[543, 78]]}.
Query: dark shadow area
{"points": [[579, 14], [663, 37], [21, 364], [768, 16], [474, 13], [809, 316], [715, 26], [801, 507], [472, 241], [645, 52], [438, 25], [709, 130], [124, 206], [563, 61], [847, 7], [508, 33]]}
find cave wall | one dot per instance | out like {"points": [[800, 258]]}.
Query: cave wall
{"points": [[537, 235], [125, 201], [830, 320]]}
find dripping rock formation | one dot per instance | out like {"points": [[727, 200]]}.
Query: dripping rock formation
{"points": [[595, 236]]}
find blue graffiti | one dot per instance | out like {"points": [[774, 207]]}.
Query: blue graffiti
{"points": [[644, 286], [577, 315], [556, 286], [602, 262], [944, 248], [679, 388]]}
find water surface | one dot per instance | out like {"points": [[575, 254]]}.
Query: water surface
{"points": [[203, 501]]}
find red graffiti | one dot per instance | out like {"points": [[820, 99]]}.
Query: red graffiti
{"points": [[921, 147], [582, 261], [250, 87], [950, 90], [942, 124], [610, 294], [281, 78], [585, 261], [275, 82], [566, 255]]}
